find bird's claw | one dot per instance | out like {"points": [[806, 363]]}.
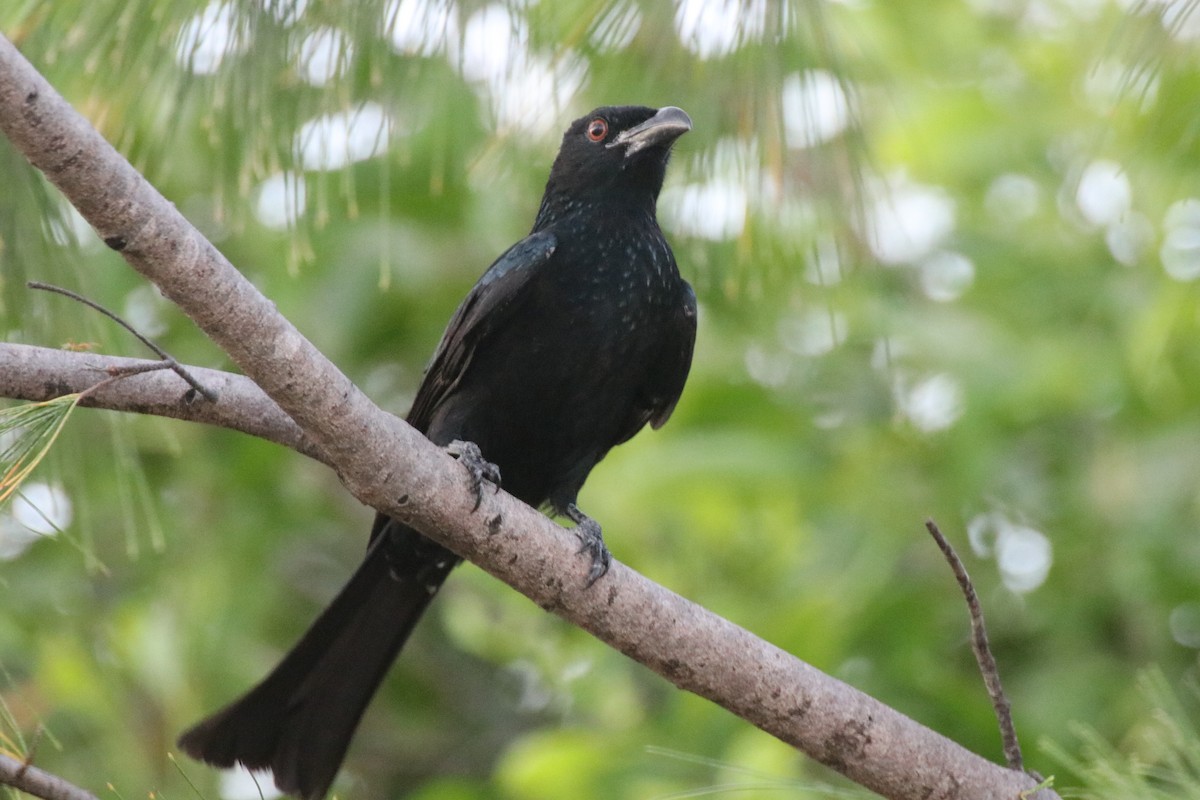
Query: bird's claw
{"points": [[591, 541], [478, 468]]}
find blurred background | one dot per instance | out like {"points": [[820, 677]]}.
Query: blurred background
{"points": [[946, 253]]}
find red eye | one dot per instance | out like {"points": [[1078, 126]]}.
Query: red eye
{"points": [[597, 129]]}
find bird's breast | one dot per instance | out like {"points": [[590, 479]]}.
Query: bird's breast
{"points": [[547, 395]]}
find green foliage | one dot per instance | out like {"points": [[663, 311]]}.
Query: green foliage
{"points": [[962, 286], [29, 431], [1161, 757]]}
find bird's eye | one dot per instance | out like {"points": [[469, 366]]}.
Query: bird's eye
{"points": [[597, 129]]}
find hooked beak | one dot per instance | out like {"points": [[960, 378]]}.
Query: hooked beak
{"points": [[662, 129]]}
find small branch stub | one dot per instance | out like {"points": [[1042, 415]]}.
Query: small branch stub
{"points": [[983, 651], [167, 362]]}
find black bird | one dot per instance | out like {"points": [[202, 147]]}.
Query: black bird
{"points": [[573, 340]]}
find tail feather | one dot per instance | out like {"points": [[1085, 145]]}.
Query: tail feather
{"points": [[299, 720]]}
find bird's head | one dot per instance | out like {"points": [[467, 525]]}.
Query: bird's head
{"points": [[617, 153]]}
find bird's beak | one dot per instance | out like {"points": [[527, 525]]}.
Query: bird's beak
{"points": [[662, 129]]}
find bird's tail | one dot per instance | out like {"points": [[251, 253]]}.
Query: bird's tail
{"points": [[299, 720]]}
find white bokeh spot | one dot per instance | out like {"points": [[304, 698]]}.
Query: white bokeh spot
{"points": [[617, 27], [208, 38], [37, 511], [1180, 250], [1184, 624], [945, 275], [713, 210], [906, 220], [1110, 82], [1023, 554], [334, 141], [712, 28], [1104, 195], [1180, 19], [323, 55], [815, 108], [1130, 239], [526, 91], [286, 12], [931, 404], [422, 27], [282, 199]]}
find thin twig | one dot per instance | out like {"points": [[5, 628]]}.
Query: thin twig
{"points": [[983, 651], [168, 362], [31, 753]]}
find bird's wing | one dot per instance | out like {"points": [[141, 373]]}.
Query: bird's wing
{"points": [[665, 383], [482, 310], [677, 353]]}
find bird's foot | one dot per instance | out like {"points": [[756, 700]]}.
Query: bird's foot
{"points": [[478, 468], [591, 541]]}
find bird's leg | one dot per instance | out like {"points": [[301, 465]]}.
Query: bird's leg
{"points": [[591, 542], [478, 468]]}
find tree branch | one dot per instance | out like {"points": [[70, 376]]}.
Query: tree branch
{"points": [[43, 373], [390, 466], [39, 783]]}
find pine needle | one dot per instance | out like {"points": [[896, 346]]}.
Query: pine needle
{"points": [[27, 432]]}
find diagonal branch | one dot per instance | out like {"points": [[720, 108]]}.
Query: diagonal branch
{"points": [[390, 466], [39, 783]]}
